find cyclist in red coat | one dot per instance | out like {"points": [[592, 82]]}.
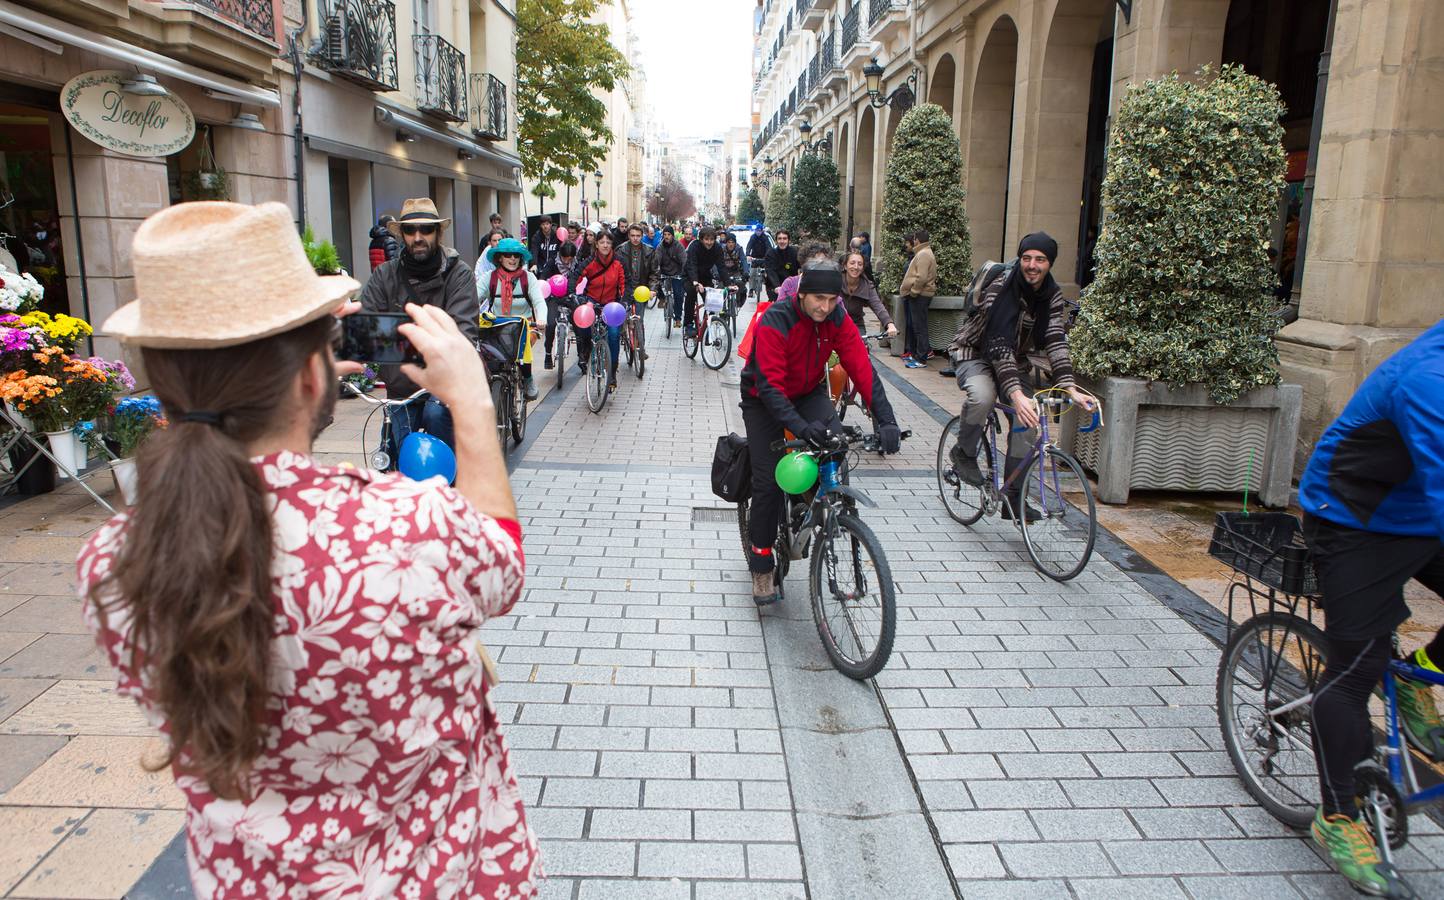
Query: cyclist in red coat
{"points": [[784, 385], [605, 282]]}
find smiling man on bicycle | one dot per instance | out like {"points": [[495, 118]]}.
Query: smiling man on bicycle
{"points": [[1373, 500], [784, 386], [1020, 309]]}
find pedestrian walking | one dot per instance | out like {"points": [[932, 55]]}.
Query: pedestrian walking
{"points": [[305, 635], [383, 245], [919, 285]]}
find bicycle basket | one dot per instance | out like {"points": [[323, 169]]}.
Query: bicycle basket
{"points": [[716, 298], [504, 338], [1266, 546]]}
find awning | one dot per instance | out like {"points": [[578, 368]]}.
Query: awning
{"points": [[388, 115], [48, 27]]}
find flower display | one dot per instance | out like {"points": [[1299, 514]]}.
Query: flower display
{"points": [[60, 330], [19, 291], [132, 421]]}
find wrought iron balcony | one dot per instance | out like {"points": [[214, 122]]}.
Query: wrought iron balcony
{"points": [[850, 24], [256, 16], [440, 78], [877, 10], [488, 107], [358, 41], [802, 7]]}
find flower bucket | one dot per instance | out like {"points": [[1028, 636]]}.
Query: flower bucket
{"points": [[19, 419], [125, 478], [68, 451]]}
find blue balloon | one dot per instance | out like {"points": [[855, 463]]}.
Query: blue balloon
{"points": [[424, 456]]}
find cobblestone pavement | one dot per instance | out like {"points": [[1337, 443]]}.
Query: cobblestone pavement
{"points": [[1027, 739]]}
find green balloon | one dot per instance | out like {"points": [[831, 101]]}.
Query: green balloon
{"points": [[796, 473]]}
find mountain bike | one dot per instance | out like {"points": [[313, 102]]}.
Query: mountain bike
{"points": [[598, 366], [1268, 674], [563, 337], [634, 339], [849, 581], [380, 458], [709, 333], [1054, 501], [499, 346]]}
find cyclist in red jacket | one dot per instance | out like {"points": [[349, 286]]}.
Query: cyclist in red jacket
{"points": [[784, 385]]}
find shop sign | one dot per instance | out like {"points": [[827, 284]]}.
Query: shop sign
{"points": [[98, 107]]}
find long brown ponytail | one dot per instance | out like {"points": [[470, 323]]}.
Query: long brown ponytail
{"points": [[194, 574]]}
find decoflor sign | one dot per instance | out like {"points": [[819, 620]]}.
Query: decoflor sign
{"points": [[99, 108]]}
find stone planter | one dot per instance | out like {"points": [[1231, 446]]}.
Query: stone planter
{"points": [[944, 316], [1159, 438]]}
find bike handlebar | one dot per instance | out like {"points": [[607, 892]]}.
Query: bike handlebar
{"points": [[850, 435], [382, 401]]}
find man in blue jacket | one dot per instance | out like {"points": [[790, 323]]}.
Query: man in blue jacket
{"points": [[1373, 500]]}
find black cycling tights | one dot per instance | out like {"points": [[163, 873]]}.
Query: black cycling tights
{"points": [[1343, 732]]}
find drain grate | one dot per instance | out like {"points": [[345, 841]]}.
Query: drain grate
{"points": [[714, 515]]}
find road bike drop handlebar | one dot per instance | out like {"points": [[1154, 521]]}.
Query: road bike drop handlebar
{"points": [[382, 401], [850, 435], [1054, 402]]}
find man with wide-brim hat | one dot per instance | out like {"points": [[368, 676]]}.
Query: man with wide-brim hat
{"points": [[426, 273]]}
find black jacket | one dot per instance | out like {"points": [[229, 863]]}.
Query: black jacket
{"points": [[758, 245], [544, 253], [640, 267], [781, 264], [671, 258], [384, 246], [452, 288], [704, 266]]}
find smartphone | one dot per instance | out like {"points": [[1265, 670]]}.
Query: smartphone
{"points": [[371, 337]]}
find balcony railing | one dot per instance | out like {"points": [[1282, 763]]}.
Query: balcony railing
{"points": [[802, 85], [256, 16], [488, 106], [877, 10], [850, 24], [802, 7], [358, 41], [440, 78], [824, 61]]}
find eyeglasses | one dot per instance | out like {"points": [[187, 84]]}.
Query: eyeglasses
{"points": [[423, 229]]}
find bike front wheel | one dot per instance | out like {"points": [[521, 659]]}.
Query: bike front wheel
{"points": [[964, 502], [1060, 539], [1269, 671], [501, 403], [563, 334], [639, 336], [518, 414], [716, 343], [852, 598], [597, 375]]}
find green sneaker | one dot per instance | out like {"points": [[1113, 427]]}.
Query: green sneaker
{"points": [[1421, 715], [1350, 846]]}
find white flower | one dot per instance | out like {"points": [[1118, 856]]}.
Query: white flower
{"points": [[384, 683], [406, 571], [419, 728], [319, 690], [338, 758], [261, 822]]}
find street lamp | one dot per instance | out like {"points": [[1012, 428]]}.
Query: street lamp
{"points": [[597, 176], [823, 146], [901, 98]]}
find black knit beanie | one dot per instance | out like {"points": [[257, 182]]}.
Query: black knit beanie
{"points": [[1040, 241]]}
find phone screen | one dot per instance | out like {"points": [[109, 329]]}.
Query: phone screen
{"points": [[374, 338]]}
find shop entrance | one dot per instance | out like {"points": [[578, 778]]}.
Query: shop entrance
{"points": [[29, 208]]}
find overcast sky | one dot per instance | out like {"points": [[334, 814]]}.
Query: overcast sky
{"points": [[686, 43]]}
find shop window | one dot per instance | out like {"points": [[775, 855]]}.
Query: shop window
{"points": [[30, 231]]}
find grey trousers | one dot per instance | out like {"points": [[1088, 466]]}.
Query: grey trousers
{"points": [[980, 392]]}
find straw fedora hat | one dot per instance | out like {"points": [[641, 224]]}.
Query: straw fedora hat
{"points": [[212, 274], [419, 211]]}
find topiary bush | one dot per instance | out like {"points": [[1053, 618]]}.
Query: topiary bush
{"points": [[749, 208], [1183, 291], [777, 206], [924, 189], [812, 209]]}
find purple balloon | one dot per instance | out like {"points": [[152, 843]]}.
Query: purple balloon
{"points": [[614, 314]]}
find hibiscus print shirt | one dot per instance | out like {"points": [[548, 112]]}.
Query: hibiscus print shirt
{"points": [[384, 774]]}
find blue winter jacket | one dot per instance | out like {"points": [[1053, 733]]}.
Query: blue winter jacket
{"points": [[1380, 466]]}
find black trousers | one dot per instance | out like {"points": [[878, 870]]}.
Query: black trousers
{"points": [[553, 304], [766, 507], [916, 339]]}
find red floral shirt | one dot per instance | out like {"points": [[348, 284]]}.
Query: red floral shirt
{"points": [[385, 773]]}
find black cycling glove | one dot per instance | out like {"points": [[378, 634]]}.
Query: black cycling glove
{"points": [[889, 438], [817, 433]]}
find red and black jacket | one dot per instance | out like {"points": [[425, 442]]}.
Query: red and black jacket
{"points": [[789, 361]]}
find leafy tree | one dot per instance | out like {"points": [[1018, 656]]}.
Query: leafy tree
{"points": [[749, 207], [812, 208], [1184, 286], [565, 67], [924, 189], [669, 200], [777, 206]]}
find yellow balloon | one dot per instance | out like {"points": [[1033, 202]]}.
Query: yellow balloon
{"points": [[642, 294]]}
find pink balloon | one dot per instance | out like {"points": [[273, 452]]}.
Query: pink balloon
{"points": [[558, 284], [546, 289], [614, 314], [581, 287], [584, 316], [562, 233]]}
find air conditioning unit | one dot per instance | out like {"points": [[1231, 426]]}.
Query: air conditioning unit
{"points": [[335, 31]]}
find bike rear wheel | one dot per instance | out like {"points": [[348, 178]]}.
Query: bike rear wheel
{"points": [[1060, 541], [597, 368], [639, 335], [964, 502], [1272, 660], [853, 599], [501, 403], [716, 343]]}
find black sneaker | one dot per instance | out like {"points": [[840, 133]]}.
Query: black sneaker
{"points": [[1030, 512], [966, 466], [550, 363], [528, 388], [582, 364]]}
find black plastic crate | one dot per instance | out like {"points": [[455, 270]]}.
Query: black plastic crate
{"points": [[1268, 547]]}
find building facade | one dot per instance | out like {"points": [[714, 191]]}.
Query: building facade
{"points": [[1031, 86]]}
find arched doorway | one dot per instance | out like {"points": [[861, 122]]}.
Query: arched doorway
{"points": [[860, 197], [844, 164], [1061, 181], [991, 140], [942, 83]]}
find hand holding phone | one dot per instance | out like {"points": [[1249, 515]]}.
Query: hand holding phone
{"points": [[374, 337]]}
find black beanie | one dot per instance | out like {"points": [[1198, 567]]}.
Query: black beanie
{"points": [[820, 280], [1039, 241]]}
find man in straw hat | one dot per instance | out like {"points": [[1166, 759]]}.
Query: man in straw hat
{"points": [[269, 611], [427, 274]]}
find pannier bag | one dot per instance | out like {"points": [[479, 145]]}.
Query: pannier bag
{"points": [[732, 469]]}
